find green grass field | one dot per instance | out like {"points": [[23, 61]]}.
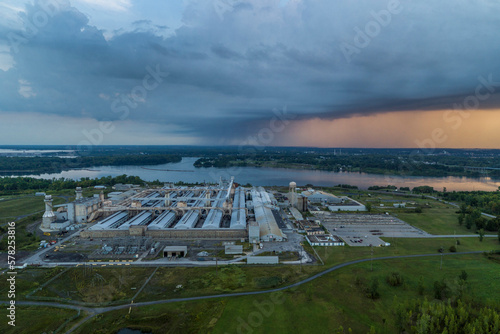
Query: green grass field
{"points": [[119, 284], [13, 207], [99, 285], [228, 279], [321, 306], [31, 319], [28, 280], [404, 246], [439, 219], [106, 284]]}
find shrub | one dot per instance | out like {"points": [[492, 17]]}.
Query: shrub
{"points": [[372, 290], [395, 279]]}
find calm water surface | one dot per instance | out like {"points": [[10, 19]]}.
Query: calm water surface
{"points": [[186, 172]]}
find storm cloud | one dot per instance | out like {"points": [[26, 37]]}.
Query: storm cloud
{"points": [[230, 63]]}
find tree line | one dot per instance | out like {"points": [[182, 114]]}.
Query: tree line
{"points": [[12, 185], [56, 164], [368, 162]]}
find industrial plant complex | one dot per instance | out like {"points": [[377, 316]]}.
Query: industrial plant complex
{"points": [[223, 211], [196, 221]]}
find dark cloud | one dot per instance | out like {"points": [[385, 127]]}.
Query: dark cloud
{"points": [[230, 66]]}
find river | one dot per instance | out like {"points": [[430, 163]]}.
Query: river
{"points": [[186, 172]]}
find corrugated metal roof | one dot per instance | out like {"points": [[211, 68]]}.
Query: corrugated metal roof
{"points": [[264, 215]]}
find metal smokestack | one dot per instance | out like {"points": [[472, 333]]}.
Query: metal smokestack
{"points": [[49, 216], [78, 192], [48, 206]]}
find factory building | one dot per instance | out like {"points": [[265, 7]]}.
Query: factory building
{"points": [[223, 211], [321, 197], [324, 240], [253, 232], [301, 203], [183, 213], [262, 206], [348, 204], [238, 216], [81, 210], [214, 217]]}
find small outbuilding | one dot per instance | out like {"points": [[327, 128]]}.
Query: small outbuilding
{"points": [[233, 249], [175, 251]]}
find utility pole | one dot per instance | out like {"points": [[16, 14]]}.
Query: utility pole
{"points": [[301, 254], [371, 260], [441, 266]]}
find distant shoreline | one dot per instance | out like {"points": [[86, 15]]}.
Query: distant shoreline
{"points": [[169, 170]]}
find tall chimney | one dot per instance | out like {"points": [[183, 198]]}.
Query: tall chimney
{"points": [[49, 216], [78, 192]]}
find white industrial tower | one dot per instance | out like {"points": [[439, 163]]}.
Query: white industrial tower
{"points": [[293, 193], [78, 192], [48, 217]]}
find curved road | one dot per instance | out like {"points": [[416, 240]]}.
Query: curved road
{"points": [[100, 310]]}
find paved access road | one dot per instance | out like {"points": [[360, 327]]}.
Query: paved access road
{"points": [[99, 310]]}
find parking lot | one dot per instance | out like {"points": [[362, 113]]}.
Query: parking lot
{"points": [[367, 229]]}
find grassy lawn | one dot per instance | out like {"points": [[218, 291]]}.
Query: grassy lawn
{"points": [[97, 284], [106, 284], [18, 205], [196, 317], [12, 208], [228, 279], [25, 240], [439, 219], [31, 319], [336, 299], [28, 280], [404, 246]]}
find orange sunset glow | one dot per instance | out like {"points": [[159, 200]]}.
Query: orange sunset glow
{"points": [[444, 128]]}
